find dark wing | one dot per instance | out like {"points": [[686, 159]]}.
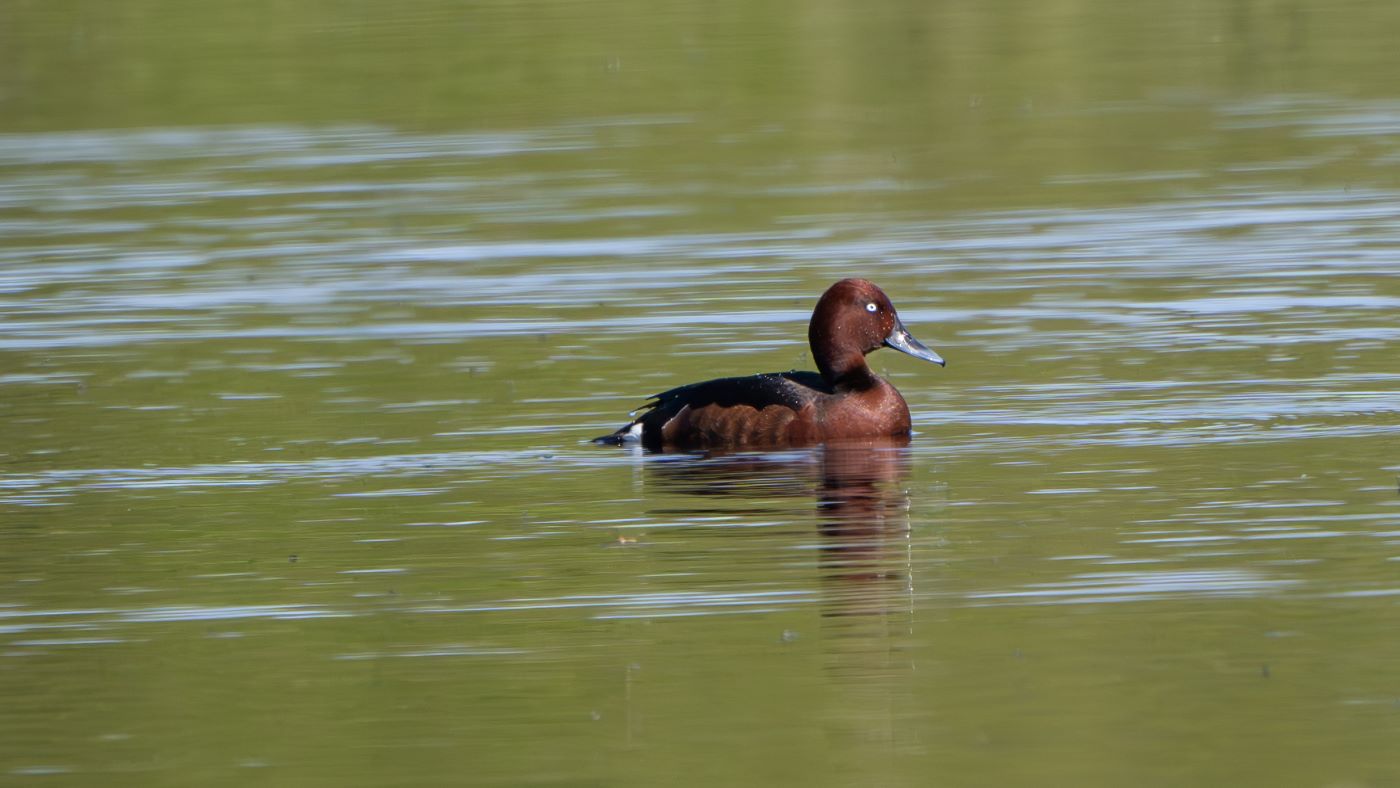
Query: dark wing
{"points": [[787, 389]]}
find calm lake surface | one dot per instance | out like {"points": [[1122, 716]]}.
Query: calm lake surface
{"points": [[307, 312]]}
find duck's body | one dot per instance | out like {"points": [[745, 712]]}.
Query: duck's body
{"points": [[844, 400]]}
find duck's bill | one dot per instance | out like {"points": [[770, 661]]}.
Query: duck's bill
{"points": [[900, 339]]}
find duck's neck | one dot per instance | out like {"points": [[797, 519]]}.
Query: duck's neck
{"points": [[845, 370], [840, 354]]}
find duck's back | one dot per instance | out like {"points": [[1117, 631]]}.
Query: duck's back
{"points": [[768, 409]]}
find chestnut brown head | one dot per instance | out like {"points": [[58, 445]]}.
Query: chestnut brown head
{"points": [[853, 318]]}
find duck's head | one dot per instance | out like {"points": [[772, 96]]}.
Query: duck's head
{"points": [[853, 318]]}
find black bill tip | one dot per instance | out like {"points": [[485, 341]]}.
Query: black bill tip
{"points": [[900, 339]]}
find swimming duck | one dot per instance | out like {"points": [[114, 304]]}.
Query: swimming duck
{"points": [[843, 400]]}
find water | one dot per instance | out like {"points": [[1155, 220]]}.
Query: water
{"points": [[306, 316]]}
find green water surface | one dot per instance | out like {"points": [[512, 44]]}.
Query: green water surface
{"points": [[308, 310]]}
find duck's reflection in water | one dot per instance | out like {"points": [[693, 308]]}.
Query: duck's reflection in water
{"points": [[861, 504], [863, 512], [865, 567], [868, 587]]}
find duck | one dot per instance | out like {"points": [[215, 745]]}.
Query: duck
{"points": [[842, 400]]}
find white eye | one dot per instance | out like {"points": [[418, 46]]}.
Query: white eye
{"points": [[870, 307]]}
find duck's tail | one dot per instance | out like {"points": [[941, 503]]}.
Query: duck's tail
{"points": [[631, 433]]}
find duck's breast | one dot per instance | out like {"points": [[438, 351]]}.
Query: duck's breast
{"points": [[879, 411]]}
